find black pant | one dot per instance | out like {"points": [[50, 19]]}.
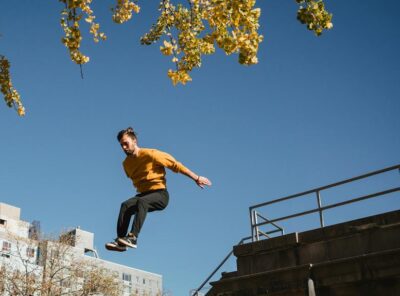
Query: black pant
{"points": [[139, 205]]}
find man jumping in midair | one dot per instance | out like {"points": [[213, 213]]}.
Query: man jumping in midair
{"points": [[146, 168]]}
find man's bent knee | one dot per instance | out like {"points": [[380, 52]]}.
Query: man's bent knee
{"points": [[142, 203]]}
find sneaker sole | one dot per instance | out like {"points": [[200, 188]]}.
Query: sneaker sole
{"points": [[115, 248], [122, 242]]}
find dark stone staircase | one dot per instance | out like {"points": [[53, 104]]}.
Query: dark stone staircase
{"points": [[359, 257]]}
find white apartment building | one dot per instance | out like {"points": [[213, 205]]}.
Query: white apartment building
{"points": [[20, 249]]}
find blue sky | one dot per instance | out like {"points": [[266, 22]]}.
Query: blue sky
{"points": [[312, 112]]}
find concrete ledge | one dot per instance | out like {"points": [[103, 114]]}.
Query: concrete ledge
{"points": [[274, 243], [368, 241], [319, 234], [350, 227], [363, 236]]}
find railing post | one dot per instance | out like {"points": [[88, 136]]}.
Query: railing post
{"points": [[255, 225], [252, 225], [321, 217]]}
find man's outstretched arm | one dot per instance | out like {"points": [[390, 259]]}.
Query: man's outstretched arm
{"points": [[170, 162]]}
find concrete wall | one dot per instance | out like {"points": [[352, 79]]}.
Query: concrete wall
{"points": [[360, 257]]}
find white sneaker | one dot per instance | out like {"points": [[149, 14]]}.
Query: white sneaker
{"points": [[128, 241], [114, 246]]}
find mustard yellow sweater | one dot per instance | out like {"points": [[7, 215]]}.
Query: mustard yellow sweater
{"points": [[147, 169]]}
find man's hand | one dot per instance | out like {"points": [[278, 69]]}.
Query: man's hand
{"points": [[202, 182]]}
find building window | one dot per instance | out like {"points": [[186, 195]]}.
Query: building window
{"points": [[6, 246], [126, 277], [30, 252], [3, 222]]}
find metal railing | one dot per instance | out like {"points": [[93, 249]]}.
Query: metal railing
{"points": [[254, 215]]}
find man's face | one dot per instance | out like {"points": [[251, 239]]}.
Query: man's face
{"points": [[128, 144]]}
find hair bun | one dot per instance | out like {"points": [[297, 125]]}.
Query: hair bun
{"points": [[128, 131]]}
